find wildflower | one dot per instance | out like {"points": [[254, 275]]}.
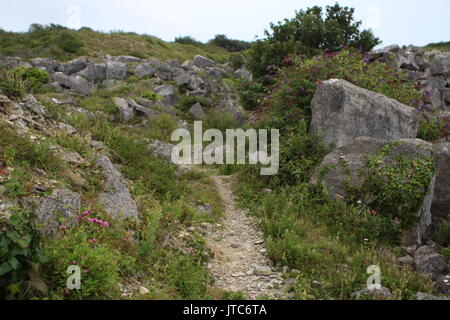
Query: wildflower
{"points": [[85, 271], [105, 224], [63, 228], [87, 213], [93, 240], [366, 60], [74, 262]]}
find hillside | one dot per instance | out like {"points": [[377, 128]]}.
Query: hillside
{"points": [[94, 205], [63, 44]]}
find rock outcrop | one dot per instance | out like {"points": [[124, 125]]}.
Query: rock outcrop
{"points": [[116, 200], [342, 112]]}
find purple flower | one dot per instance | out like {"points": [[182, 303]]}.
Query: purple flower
{"points": [[366, 60]]}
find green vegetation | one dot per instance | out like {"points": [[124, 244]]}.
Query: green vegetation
{"points": [[443, 46], [58, 42], [230, 45], [332, 242], [309, 32], [11, 84]]}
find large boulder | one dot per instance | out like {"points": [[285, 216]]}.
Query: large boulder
{"points": [[127, 59], [95, 72], [440, 208], [141, 109], [116, 70], [243, 73], [75, 83], [431, 263], [197, 112], [126, 112], [440, 65], [202, 62], [144, 70], [116, 199], [168, 92], [383, 52], [47, 64], [342, 112], [75, 65], [161, 150], [347, 167], [52, 212]]}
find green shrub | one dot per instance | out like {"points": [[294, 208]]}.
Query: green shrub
{"points": [[429, 130], [185, 103], [230, 45], [309, 32], [11, 84], [20, 253], [443, 235], [150, 95], [188, 40], [69, 43], [446, 253], [236, 60], [250, 93], [33, 78]]}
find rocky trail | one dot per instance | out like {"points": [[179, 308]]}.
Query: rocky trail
{"points": [[240, 263]]}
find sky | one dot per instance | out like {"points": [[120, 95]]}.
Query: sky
{"points": [[400, 22]]}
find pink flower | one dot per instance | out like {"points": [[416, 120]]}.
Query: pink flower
{"points": [[91, 220], [105, 224], [93, 240], [63, 227], [85, 271], [74, 262], [87, 213]]}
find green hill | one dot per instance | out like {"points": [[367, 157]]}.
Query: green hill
{"points": [[58, 42]]}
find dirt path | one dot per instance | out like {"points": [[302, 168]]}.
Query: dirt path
{"points": [[240, 263]]}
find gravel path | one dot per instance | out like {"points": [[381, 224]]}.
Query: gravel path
{"points": [[240, 263]]}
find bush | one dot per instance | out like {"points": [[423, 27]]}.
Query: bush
{"points": [[443, 235], [20, 253], [69, 43], [228, 44], [33, 78], [236, 60], [11, 84], [185, 103], [150, 95], [188, 40], [309, 32]]}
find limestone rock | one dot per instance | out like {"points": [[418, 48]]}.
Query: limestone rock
{"points": [[116, 199], [343, 112]]}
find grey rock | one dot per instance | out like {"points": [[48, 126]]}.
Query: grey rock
{"points": [[431, 263], [126, 112], [352, 158], [161, 149], [197, 111], [141, 109], [441, 200], [407, 260], [440, 65], [383, 293], [127, 59], [263, 271], [177, 71], [109, 84], [116, 199], [116, 70], [74, 83], [49, 65], [59, 209], [195, 82], [182, 79], [446, 95], [243, 74], [202, 62], [75, 65], [443, 284], [168, 92], [204, 208], [216, 73], [95, 72], [428, 297], [344, 166], [343, 112], [376, 54], [144, 70]]}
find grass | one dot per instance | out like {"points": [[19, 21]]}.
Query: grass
{"points": [[443, 46], [64, 44]]}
